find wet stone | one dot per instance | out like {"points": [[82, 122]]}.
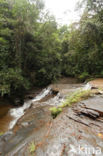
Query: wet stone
{"points": [[78, 125], [24, 124]]}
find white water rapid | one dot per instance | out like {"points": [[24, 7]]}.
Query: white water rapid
{"points": [[17, 113]]}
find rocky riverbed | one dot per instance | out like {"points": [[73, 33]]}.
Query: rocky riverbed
{"points": [[76, 131]]}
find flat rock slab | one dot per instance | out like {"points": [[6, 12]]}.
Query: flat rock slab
{"points": [[66, 89], [95, 103], [73, 128]]}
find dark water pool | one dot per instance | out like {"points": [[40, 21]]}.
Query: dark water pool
{"points": [[5, 117]]}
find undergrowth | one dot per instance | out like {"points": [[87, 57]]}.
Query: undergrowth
{"points": [[71, 99], [76, 97], [55, 111], [32, 147]]}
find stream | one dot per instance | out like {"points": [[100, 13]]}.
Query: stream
{"points": [[9, 115], [76, 127]]}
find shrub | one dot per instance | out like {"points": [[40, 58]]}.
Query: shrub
{"points": [[83, 76], [55, 111], [101, 73], [32, 147]]}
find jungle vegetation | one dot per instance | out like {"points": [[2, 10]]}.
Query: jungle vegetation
{"points": [[35, 51]]}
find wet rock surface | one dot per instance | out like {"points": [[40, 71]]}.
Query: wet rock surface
{"points": [[97, 83], [77, 131], [89, 115], [92, 107]]}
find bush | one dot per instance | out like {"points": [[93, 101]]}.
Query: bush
{"points": [[55, 111], [84, 76], [101, 73], [32, 147]]}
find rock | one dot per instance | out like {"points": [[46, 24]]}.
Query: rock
{"points": [[6, 136], [97, 83], [95, 104], [29, 97], [76, 126], [101, 91], [96, 91], [93, 87], [91, 108], [24, 124], [55, 91], [90, 113], [18, 102]]}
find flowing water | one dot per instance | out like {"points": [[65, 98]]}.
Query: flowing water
{"points": [[9, 115], [74, 126], [5, 116]]}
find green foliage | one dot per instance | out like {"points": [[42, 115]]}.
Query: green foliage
{"points": [[83, 51], [34, 51], [29, 49], [32, 147], [1, 133], [55, 111], [101, 73], [76, 97], [11, 78], [83, 76], [49, 60]]}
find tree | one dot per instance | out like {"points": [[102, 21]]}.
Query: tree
{"points": [[84, 52], [30, 47]]}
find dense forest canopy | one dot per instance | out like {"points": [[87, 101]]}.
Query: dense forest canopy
{"points": [[35, 51]]}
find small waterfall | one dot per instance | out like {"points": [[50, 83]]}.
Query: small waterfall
{"points": [[55, 101], [42, 94], [17, 113], [87, 86]]}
